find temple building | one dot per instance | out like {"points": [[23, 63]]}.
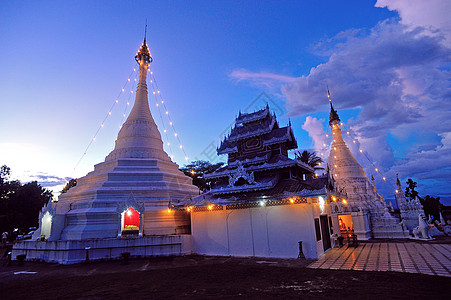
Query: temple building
{"points": [[123, 203], [366, 214], [262, 203]]}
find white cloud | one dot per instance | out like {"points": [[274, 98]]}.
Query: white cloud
{"points": [[266, 80], [315, 130], [431, 14]]}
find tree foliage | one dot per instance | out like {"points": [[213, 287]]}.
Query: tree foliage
{"points": [[197, 169], [410, 189], [310, 158], [20, 203], [431, 206]]}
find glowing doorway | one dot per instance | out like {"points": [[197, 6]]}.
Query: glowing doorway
{"points": [[46, 225], [130, 220], [346, 225]]}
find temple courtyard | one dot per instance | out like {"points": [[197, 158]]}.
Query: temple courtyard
{"points": [[400, 269], [410, 257]]}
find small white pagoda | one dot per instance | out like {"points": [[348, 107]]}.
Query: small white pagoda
{"points": [[123, 204], [367, 214]]}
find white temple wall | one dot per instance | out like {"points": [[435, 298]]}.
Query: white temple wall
{"points": [[269, 231], [362, 225]]}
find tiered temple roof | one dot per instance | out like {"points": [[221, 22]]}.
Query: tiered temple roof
{"points": [[258, 163]]}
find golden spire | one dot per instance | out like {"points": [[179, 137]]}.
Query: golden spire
{"points": [[333, 116], [143, 54]]}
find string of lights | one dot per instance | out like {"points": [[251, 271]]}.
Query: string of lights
{"points": [[357, 142], [377, 170], [161, 103], [165, 131], [127, 104], [102, 124]]}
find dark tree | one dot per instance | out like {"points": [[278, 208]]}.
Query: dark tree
{"points": [[310, 158], [197, 169], [410, 189], [20, 204], [431, 206], [5, 172], [71, 183]]}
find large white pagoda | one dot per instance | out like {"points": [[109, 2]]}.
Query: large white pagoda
{"points": [[125, 199]]}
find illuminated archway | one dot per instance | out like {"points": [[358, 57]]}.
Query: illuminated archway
{"points": [[130, 220], [46, 225]]}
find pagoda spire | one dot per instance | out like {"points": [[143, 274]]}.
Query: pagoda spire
{"points": [[139, 136], [333, 116]]}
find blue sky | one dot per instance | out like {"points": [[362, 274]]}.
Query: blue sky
{"points": [[64, 63]]}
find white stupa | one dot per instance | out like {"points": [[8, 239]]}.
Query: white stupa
{"points": [[128, 193], [369, 212]]}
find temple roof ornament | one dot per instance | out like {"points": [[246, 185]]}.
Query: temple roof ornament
{"points": [[333, 116], [398, 183], [144, 53]]}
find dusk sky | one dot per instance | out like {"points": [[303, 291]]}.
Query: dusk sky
{"points": [[387, 65]]}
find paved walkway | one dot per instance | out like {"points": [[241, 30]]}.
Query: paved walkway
{"points": [[431, 259]]}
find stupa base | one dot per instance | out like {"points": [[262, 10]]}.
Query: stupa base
{"points": [[71, 252]]}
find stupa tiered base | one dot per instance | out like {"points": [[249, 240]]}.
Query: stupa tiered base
{"points": [[70, 252]]}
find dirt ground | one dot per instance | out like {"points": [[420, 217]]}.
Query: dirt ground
{"points": [[206, 277]]}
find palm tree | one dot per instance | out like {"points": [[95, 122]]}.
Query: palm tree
{"points": [[310, 159]]}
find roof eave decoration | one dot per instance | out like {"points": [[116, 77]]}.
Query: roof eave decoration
{"points": [[130, 202], [251, 117]]}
